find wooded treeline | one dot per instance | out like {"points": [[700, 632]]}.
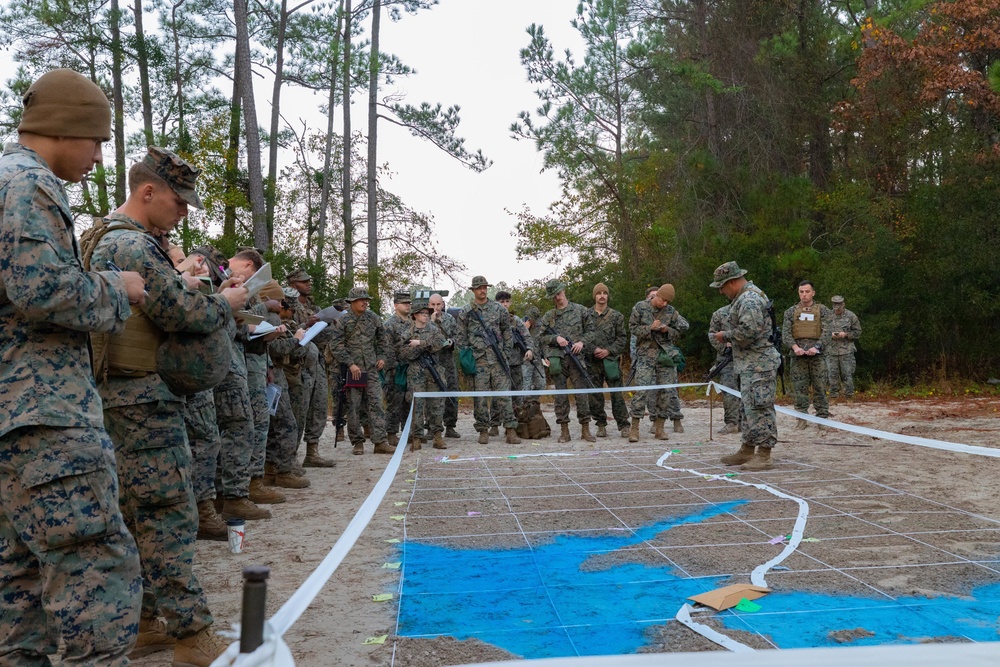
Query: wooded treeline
{"points": [[852, 143], [179, 74]]}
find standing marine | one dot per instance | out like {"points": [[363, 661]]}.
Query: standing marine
{"points": [[604, 363], [654, 323], [845, 330], [806, 333]]}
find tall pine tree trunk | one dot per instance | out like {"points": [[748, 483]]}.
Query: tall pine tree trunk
{"points": [[373, 67], [346, 184], [232, 159], [272, 147], [324, 198], [261, 235], [142, 58], [118, 101]]}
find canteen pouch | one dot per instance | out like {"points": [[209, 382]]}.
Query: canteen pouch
{"points": [[467, 360], [663, 358], [400, 378], [555, 366], [611, 369]]}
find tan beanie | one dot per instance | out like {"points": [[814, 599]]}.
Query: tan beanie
{"points": [[666, 292], [601, 287], [64, 103]]}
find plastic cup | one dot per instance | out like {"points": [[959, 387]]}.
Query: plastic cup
{"points": [[237, 533]]}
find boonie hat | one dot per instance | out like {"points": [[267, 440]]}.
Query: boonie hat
{"points": [[357, 293], [725, 273], [837, 299], [553, 287], [418, 305], [299, 276], [479, 281], [179, 174]]}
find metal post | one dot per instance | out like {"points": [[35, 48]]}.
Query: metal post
{"points": [[254, 607]]}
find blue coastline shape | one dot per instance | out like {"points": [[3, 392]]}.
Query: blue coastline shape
{"points": [[541, 602]]}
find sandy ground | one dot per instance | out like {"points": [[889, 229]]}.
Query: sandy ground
{"points": [[334, 628]]}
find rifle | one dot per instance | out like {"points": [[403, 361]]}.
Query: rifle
{"points": [[568, 351], [338, 419], [775, 339], [519, 341], [727, 358], [631, 375], [493, 341], [426, 360]]}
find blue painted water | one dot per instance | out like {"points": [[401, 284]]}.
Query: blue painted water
{"points": [[541, 602]]}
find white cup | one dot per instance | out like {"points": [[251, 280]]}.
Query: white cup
{"points": [[237, 533]]}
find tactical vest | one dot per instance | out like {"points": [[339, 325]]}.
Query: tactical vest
{"points": [[133, 352], [806, 322]]}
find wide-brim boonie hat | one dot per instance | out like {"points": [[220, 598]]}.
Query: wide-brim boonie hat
{"points": [[725, 273]]}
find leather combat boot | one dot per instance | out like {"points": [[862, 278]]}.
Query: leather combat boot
{"points": [[760, 461], [484, 437], [199, 650], [313, 459], [602, 431], [358, 449], [366, 431], [439, 441], [393, 439], [585, 434], [494, 430], [801, 425], [678, 427], [384, 447], [152, 637], [738, 457], [512, 438], [416, 445], [297, 469], [658, 431], [563, 433], [286, 480], [264, 495], [242, 508], [450, 432], [340, 434], [210, 524], [633, 431], [625, 431], [728, 428]]}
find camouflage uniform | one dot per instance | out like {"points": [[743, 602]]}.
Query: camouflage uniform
{"points": [[728, 376], [445, 360], [236, 422], [516, 362], [489, 373], [573, 323], [257, 363], [203, 437], [68, 565], [429, 411], [757, 364], [146, 423], [317, 401], [534, 372], [840, 356], [654, 359], [397, 398], [609, 333], [809, 372], [282, 433], [362, 340]]}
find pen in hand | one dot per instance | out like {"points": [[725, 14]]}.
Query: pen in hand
{"points": [[114, 267]]}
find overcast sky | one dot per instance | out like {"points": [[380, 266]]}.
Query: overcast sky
{"points": [[465, 52]]}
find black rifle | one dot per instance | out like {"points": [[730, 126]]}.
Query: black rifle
{"points": [[427, 361], [493, 340], [568, 351], [631, 375], [341, 392], [775, 339], [727, 358], [519, 341]]}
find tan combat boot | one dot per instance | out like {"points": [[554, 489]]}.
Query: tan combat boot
{"points": [[199, 650], [286, 480], [366, 431], [728, 428], [416, 445], [264, 495], [563, 432], [340, 434], [384, 447], [393, 439], [512, 438], [602, 431], [242, 508], [439, 441], [658, 431], [678, 427], [210, 524], [358, 449], [313, 459], [585, 434], [633, 432], [484, 437], [760, 461], [152, 637], [738, 457], [450, 432], [625, 431], [494, 430], [801, 425]]}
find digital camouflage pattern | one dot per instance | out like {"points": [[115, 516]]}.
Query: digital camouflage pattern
{"points": [[610, 334], [728, 376], [534, 373], [651, 369], [809, 374], [573, 323], [363, 341], [318, 411], [257, 361], [282, 433], [235, 420], [446, 364], [60, 524], [397, 399], [489, 373], [203, 438], [517, 366], [429, 411], [756, 363], [840, 357]]}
